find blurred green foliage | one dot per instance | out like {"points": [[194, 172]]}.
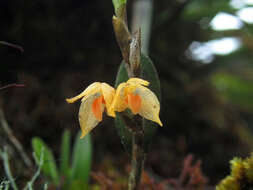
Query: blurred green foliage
{"points": [[74, 176], [234, 89]]}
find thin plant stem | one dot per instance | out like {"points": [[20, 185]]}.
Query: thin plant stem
{"points": [[7, 170], [45, 186], [137, 163], [20, 48], [29, 185], [14, 140], [11, 85], [130, 46]]}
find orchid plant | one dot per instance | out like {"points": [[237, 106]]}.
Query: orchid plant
{"points": [[134, 102]]}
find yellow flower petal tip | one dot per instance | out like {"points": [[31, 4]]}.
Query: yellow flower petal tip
{"points": [[159, 122], [69, 100], [82, 135], [95, 99], [138, 81]]}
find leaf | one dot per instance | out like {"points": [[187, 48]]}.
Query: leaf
{"points": [[78, 185], [65, 153], [49, 167], [149, 73], [81, 160]]}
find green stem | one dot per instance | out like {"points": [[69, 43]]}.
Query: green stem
{"points": [[137, 163], [130, 47], [7, 170]]}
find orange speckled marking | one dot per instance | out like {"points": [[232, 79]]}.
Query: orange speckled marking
{"points": [[97, 108], [134, 102]]}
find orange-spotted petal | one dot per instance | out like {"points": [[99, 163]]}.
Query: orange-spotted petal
{"points": [[150, 106], [87, 119]]}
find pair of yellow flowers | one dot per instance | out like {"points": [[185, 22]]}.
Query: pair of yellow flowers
{"points": [[132, 94]]}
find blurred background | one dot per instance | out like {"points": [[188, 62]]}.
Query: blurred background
{"points": [[203, 54]]}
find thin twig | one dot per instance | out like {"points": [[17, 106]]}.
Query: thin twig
{"points": [[11, 85], [5, 157], [36, 175], [20, 48], [45, 186], [14, 140]]}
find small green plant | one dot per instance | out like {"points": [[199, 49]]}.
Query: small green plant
{"points": [[72, 172], [4, 185], [241, 177]]}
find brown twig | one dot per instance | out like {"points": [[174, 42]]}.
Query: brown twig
{"points": [[14, 140], [20, 48], [11, 85]]}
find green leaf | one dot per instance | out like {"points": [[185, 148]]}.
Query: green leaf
{"points": [[81, 160], [118, 3], [49, 167], [149, 73], [65, 153], [78, 185]]}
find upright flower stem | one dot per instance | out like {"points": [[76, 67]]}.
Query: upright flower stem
{"points": [[137, 163], [130, 46]]}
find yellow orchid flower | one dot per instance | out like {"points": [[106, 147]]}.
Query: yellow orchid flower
{"points": [[134, 95], [95, 98]]}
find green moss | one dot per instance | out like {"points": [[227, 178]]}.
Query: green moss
{"points": [[241, 177], [248, 164]]}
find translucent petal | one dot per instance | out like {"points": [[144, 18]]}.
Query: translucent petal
{"points": [[120, 99], [150, 106], [87, 118], [108, 94], [91, 89], [138, 81]]}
